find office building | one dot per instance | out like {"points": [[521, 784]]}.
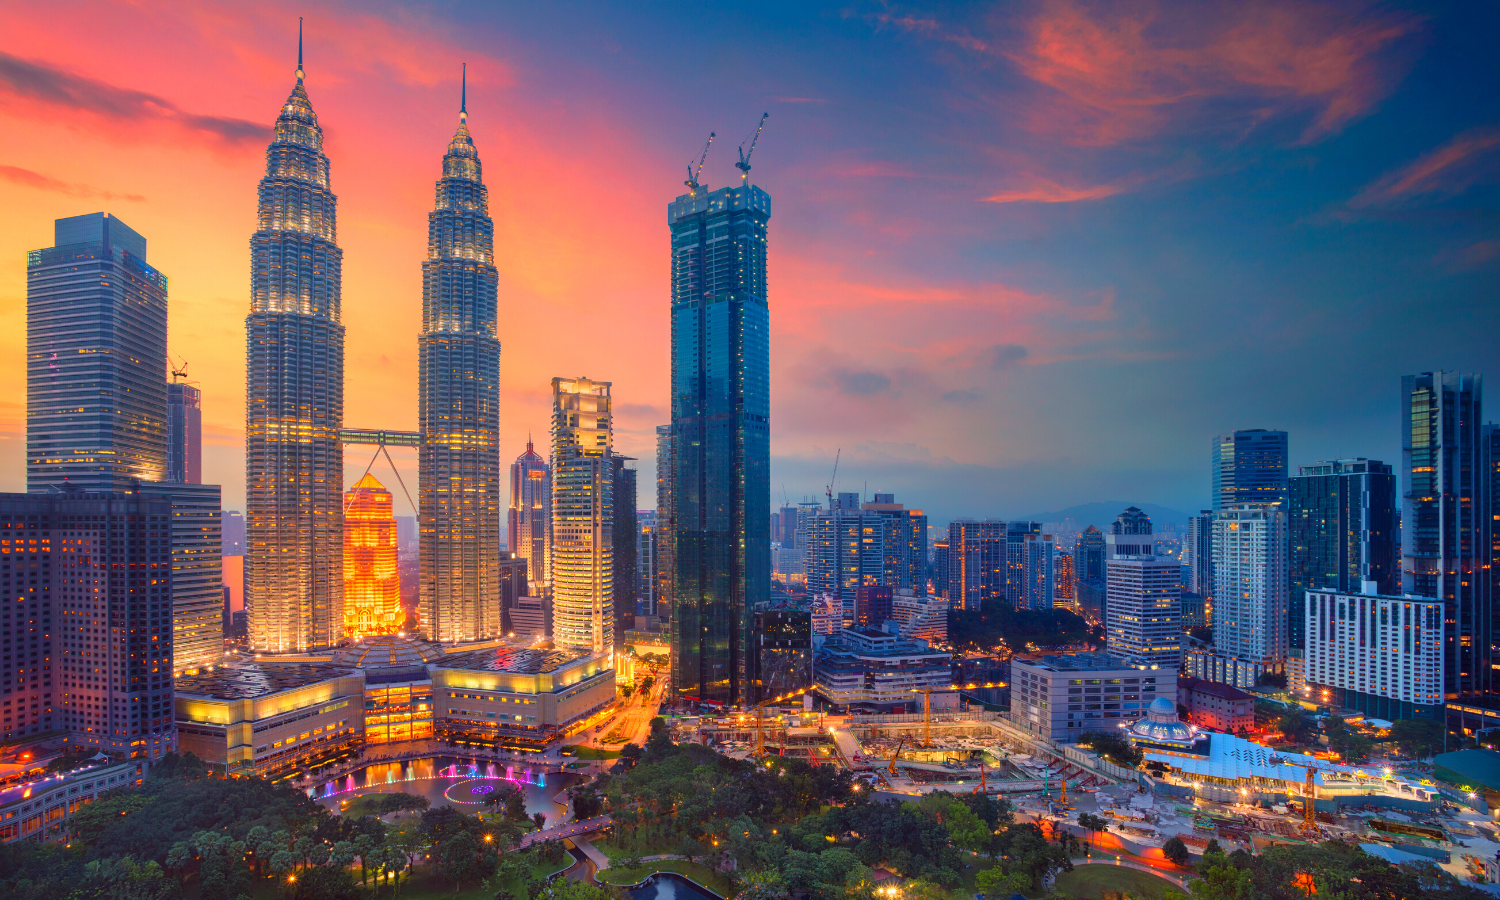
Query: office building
{"points": [[1198, 555], [583, 615], [1445, 524], [1219, 707], [626, 539], [1250, 591], [1144, 609], [870, 669], [1130, 535], [827, 613], [977, 562], [88, 631], [1341, 521], [1088, 562], [872, 605], [458, 406], [197, 574], [1378, 654], [666, 530], [294, 385], [96, 359], [940, 556], [845, 550], [1038, 573], [529, 531], [184, 433], [1061, 697], [531, 618], [232, 527], [1016, 536], [372, 591], [721, 496], [645, 562], [513, 585], [1249, 467], [905, 543], [920, 617], [784, 527], [783, 637]]}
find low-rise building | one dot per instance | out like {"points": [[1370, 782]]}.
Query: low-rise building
{"points": [[873, 669], [922, 618], [518, 698], [1220, 707], [1061, 697], [38, 810]]}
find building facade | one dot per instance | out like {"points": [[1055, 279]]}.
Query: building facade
{"points": [[921, 617], [96, 359], [626, 544], [529, 531], [1061, 697], [294, 385], [845, 551], [1130, 535], [1198, 555], [372, 589], [1250, 587], [197, 574], [583, 615], [1381, 655], [1220, 707], [784, 641], [1038, 573], [459, 405], [1249, 466], [873, 669], [1144, 618], [977, 562], [1016, 536], [721, 495], [184, 433], [905, 543], [1445, 524]]}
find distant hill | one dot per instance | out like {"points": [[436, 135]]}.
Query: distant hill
{"points": [[1100, 515]]}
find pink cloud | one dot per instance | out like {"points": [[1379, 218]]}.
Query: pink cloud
{"points": [[1044, 190], [1448, 170], [28, 178]]}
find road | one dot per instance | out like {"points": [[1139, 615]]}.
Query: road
{"points": [[633, 717], [567, 830]]}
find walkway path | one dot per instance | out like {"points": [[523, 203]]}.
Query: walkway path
{"points": [[571, 829]]}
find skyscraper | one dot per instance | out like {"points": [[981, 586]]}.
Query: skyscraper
{"points": [[1249, 467], [1199, 553], [1038, 572], [1064, 590], [1341, 521], [905, 544], [372, 588], [459, 404], [845, 551], [582, 516], [1130, 535], [184, 433], [197, 574], [626, 539], [1144, 609], [1016, 536], [721, 362], [529, 532], [1088, 563], [1445, 517], [1250, 588], [294, 459], [977, 563], [96, 359]]}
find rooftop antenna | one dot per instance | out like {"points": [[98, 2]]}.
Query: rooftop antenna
{"points": [[744, 164], [834, 480], [692, 179], [299, 50], [463, 97]]}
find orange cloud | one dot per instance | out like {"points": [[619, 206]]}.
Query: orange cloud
{"points": [[1045, 190], [28, 178], [1466, 159]]}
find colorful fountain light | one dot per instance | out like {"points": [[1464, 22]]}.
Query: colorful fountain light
{"points": [[330, 788]]}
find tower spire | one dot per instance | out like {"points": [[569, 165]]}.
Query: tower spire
{"points": [[463, 97], [299, 50]]}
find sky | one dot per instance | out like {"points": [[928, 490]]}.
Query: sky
{"points": [[1023, 256]]}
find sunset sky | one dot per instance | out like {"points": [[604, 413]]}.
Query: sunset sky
{"points": [[1023, 256]]}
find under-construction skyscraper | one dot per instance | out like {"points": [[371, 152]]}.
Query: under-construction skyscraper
{"points": [[294, 404], [459, 360]]}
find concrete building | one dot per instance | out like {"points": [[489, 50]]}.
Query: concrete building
{"points": [[872, 606], [1220, 707], [905, 543], [1249, 466], [1061, 697], [865, 668], [921, 617], [531, 618], [827, 614], [1064, 589], [39, 809], [626, 537], [1038, 588], [784, 642], [1198, 554], [1381, 655], [184, 431], [1250, 587], [1144, 612], [583, 614], [1130, 535], [845, 550], [197, 574], [1016, 536], [977, 562]]}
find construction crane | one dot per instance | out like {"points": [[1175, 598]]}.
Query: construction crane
{"points": [[981, 788], [744, 164], [927, 703], [1309, 794], [692, 179], [834, 480], [179, 373], [760, 709], [895, 756]]}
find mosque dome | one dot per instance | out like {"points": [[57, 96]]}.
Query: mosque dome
{"points": [[1162, 724]]}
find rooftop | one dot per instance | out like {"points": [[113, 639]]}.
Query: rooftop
{"points": [[387, 651], [257, 679], [1212, 688], [513, 660], [1077, 662]]}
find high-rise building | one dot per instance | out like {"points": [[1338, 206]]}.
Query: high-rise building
{"points": [[232, 527], [1130, 535], [977, 558], [1490, 439], [1250, 586], [1144, 609], [1016, 536], [940, 557], [1088, 555], [645, 562], [1064, 582], [96, 359], [872, 605], [372, 590], [1038, 572], [1378, 654], [1445, 517], [721, 437], [784, 645], [529, 530], [582, 516], [666, 531], [784, 527], [1341, 522], [197, 574], [1249, 467], [1199, 553], [513, 586], [89, 628], [459, 405], [845, 550], [184, 433], [626, 541], [294, 458], [905, 544]]}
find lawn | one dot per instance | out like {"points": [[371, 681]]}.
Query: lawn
{"points": [[582, 752], [717, 882], [1091, 881]]}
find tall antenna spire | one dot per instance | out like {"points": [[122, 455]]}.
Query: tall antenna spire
{"points": [[463, 97], [299, 50]]}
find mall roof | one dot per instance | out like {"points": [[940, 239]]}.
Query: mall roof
{"points": [[512, 660], [247, 680]]}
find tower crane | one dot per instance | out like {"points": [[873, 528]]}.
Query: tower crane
{"points": [[833, 480], [692, 179], [744, 164]]}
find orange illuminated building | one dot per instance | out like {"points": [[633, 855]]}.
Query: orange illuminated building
{"points": [[372, 591]]}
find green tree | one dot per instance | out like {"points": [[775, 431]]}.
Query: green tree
{"points": [[1224, 883], [1176, 851], [462, 859], [1113, 747], [326, 883], [1419, 738], [995, 882], [1296, 726]]}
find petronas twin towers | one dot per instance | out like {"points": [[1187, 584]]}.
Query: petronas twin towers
{"points": [[295, 400]]}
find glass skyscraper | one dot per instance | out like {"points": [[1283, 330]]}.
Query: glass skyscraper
{"points": [[529, 534], [721, 491], [294, 460], [1444, 512], [459, 406], [184, 433], [1249, 466], [96, 359], [582, 516]]}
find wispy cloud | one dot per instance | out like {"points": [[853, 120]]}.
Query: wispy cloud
{"points": [[28, 178], [1040, 189], [54, 93], [1465, 160], [799, 100]]}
